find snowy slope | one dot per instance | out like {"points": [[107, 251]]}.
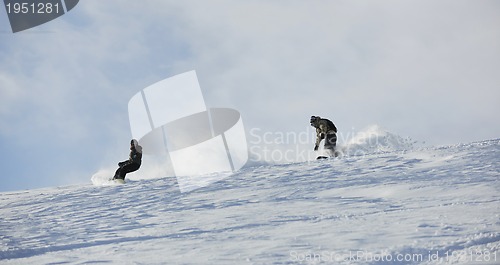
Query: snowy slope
{"points": [[437, 205]]}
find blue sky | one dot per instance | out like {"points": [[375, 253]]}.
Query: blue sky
{"points": [[424, 69]]}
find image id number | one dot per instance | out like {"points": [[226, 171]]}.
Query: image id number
{"points": [[32, 8], [471, 256]]}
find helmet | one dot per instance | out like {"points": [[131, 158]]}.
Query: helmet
{"points": [[136, 145], [314, 119]]}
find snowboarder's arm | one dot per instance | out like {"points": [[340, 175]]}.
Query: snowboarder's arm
{"points": [[135, 157], [319, 136]]}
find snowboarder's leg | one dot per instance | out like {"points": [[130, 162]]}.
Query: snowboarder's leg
{"points": [[117, 173], [122, 174], [127, 169], [330, 144]]}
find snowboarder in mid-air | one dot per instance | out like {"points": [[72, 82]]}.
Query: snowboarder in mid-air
{"points": [[133, 163], [325, 129]]}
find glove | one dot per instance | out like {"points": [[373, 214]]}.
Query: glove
{"points": [[121, 164], [316, 148]]}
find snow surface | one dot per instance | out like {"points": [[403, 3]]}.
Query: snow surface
{"points": [[383, 202]]}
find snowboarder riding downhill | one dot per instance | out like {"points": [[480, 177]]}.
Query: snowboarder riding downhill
{"points": [[133, 163], [325, 129]]}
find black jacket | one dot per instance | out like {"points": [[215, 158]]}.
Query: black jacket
{"points": [[135, 156]]}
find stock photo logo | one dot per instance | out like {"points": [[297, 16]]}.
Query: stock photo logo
{"points": [[26, 14], [203, 145]]}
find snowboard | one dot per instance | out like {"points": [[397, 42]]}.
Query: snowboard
{"points": [[100, 179], [118, 181], [322, 157]]}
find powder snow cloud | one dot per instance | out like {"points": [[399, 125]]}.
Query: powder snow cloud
{"points": [[424, 69]]}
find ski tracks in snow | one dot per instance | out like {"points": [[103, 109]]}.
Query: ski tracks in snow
{"points": [[424, 206]]}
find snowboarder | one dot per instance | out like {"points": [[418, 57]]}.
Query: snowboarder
{"points": [[133, 163], [325, 129]]}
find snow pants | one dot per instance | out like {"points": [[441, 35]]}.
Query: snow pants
{"points": [[122, 171], [330, 141]]}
